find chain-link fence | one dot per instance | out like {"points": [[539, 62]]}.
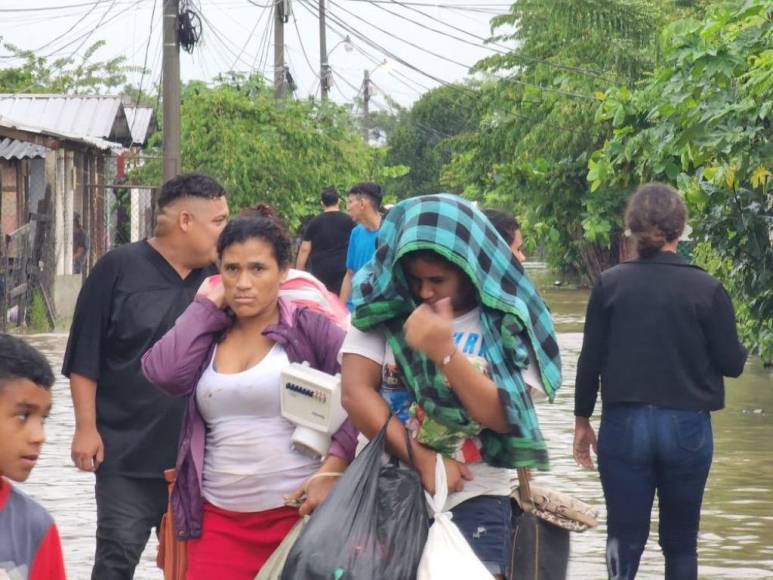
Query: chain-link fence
{"points": [[67, 210]]}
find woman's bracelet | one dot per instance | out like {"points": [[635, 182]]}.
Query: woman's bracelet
{"points": [[324, 474]]}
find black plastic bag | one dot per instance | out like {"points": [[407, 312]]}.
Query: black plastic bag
{"points": [[372, 526]]}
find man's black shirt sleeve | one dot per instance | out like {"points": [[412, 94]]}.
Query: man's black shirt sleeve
{"points": [[91, 321]]}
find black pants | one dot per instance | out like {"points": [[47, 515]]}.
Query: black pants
{"points": [[127, 509]]}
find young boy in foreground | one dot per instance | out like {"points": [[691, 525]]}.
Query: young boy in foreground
{"points": [[29, 540]]}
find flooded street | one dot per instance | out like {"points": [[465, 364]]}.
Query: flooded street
{"points": [[736, 539]]}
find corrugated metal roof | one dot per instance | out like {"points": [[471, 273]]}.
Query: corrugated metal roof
{"points": [[15, 149], [139, 119], [81, 139], [87, 116]]}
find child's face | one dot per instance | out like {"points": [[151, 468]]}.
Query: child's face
{"points": [[24, 407]]}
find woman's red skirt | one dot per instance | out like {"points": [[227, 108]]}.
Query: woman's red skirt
{"points": [[234, 545]]}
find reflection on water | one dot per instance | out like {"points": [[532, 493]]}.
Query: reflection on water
{"points": [[736, 530]]}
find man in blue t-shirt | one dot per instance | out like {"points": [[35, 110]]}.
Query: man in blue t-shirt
{"points": [[363, 203]]}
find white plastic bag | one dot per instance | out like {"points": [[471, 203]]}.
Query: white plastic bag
{"points": [[447, 554]]}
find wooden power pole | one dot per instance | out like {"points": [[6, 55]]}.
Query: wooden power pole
{"points": [[279, 49], [324, 67], [171, 89], [365, 105]]}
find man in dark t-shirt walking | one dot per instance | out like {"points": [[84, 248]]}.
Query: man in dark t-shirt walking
{"points": [[126, 430], [326, 241]]}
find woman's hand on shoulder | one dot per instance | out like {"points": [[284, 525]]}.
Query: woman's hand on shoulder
{"points": [[212, 289]]}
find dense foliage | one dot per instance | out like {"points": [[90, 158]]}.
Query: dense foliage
{"points": [[423, 138], [263, 151], [704, 123], [535, 138]]}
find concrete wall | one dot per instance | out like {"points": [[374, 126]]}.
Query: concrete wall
{"points": [[66, 289]]}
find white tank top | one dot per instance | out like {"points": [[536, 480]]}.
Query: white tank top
{"points": [[249, 463]]}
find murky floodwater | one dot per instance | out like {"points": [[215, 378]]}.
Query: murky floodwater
{"points": [[736, 530]]}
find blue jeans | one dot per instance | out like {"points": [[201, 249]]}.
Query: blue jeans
{"points": [[486, 522], [643, 449]]}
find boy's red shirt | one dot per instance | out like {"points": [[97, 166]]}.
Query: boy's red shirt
{"points": [[29, 539]]}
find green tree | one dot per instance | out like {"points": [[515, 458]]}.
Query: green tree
{"points": [[703, 123], [422, 138], [69, 75], [281, 153], [532, 147]]}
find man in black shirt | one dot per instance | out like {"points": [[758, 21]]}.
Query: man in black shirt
{"points": [[126, 430], [326, 241]]}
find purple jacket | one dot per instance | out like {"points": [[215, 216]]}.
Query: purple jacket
{"points": [[177, 361]]}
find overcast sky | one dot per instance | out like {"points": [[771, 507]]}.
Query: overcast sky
{"points": [[238, 35]]}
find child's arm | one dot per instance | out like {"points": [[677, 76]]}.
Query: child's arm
{"points": [[48, 563]]}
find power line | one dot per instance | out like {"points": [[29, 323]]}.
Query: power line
{"points": [[365, 39], [92, 6], [249, 37], [303, 48], [48, 8], [266, 43], [408, 42], [223, 40], [436, 30], [102, 23], [91, 32], [144, 66]]}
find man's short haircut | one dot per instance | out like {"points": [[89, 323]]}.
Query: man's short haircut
{"points": [[370, 190], [19, 360], [329, 196], [504, 223], [189, 185]]}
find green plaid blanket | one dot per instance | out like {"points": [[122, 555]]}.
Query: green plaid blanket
{"points": [[512, 313]]}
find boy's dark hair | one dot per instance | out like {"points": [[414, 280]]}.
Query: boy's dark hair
{"points": [[329, 196], [655, 215], [19, 360], [189, 184], [504, 223], [372, 191], [267, 228]]}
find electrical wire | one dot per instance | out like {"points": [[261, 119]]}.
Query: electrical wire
{"points": [[48, 8], [403, 40], [92, 7], [373, 44], [144, 66], [264, 44], [91, 32], [303, 48], [249, 37], [224, 41]]}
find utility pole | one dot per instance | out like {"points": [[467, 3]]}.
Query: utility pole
{"points": [[171, 89], [365, 105], [324, 68], [279, 49]]}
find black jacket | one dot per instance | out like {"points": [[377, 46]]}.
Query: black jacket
{"points": [[658, 331]]}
